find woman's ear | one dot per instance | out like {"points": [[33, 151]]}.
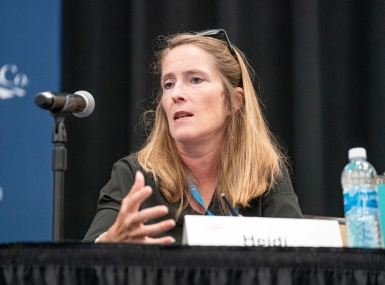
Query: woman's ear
{"points": [[240, 99]]}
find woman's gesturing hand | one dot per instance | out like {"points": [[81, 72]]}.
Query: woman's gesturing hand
{"points": [[130, 223]]}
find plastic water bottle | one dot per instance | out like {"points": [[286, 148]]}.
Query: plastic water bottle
{"points": [[359, 184]]}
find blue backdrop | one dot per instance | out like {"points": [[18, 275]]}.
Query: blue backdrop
{"points": [[29, 63]]}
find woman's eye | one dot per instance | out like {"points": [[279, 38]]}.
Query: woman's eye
{"points": [[197, 80], [167, 85]]}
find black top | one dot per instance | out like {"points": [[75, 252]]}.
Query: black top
{"points": [[281, 201]]}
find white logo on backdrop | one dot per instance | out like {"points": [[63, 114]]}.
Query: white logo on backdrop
{"points": [[12, 83], [1, 194]]}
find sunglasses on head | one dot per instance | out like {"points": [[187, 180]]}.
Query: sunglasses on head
{"points": [[219, 34]]}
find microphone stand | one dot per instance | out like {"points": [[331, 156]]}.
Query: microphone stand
{"points": [[59, 105], [59, 166]]}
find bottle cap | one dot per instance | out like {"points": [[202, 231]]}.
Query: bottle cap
{"points": [[357, 152]]}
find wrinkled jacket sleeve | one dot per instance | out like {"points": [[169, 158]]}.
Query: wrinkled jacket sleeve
{"points": [[110, 199]]}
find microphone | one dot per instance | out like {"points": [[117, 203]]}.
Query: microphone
{"points": [[81, 104]]}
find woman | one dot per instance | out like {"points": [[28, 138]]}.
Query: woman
{"points": [[208, 137]]}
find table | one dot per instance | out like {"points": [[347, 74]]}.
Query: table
{"points": [[81, 263]]}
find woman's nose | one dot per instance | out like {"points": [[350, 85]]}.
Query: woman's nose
{"points": [[178, 93]]}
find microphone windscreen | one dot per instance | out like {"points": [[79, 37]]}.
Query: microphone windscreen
{"points": [[90, 104]]}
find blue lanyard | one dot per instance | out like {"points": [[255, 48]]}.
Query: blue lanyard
{"points": [[197, 196], [191, 186]]}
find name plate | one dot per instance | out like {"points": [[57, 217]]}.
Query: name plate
{"points": [[256, 231]]}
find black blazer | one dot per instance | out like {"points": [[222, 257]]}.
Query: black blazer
{"points": [[281, 201]]}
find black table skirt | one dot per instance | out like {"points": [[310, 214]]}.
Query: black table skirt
{"points": [[77, 263]]}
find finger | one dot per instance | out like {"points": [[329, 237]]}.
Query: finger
{"points": [[138, 183], [149, 214], [162, 240], [131, 204], [152, 230], [147, 240]]}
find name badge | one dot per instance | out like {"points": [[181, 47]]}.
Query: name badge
{"points": [[256, 231]]}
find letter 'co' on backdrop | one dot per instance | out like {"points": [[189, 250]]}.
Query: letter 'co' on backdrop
{"points": [[29, 63]]}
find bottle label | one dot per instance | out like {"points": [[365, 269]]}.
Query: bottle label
{"points": [[354, 200]]}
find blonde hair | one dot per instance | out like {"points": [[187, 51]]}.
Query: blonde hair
{"points": [[250, 158]]}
